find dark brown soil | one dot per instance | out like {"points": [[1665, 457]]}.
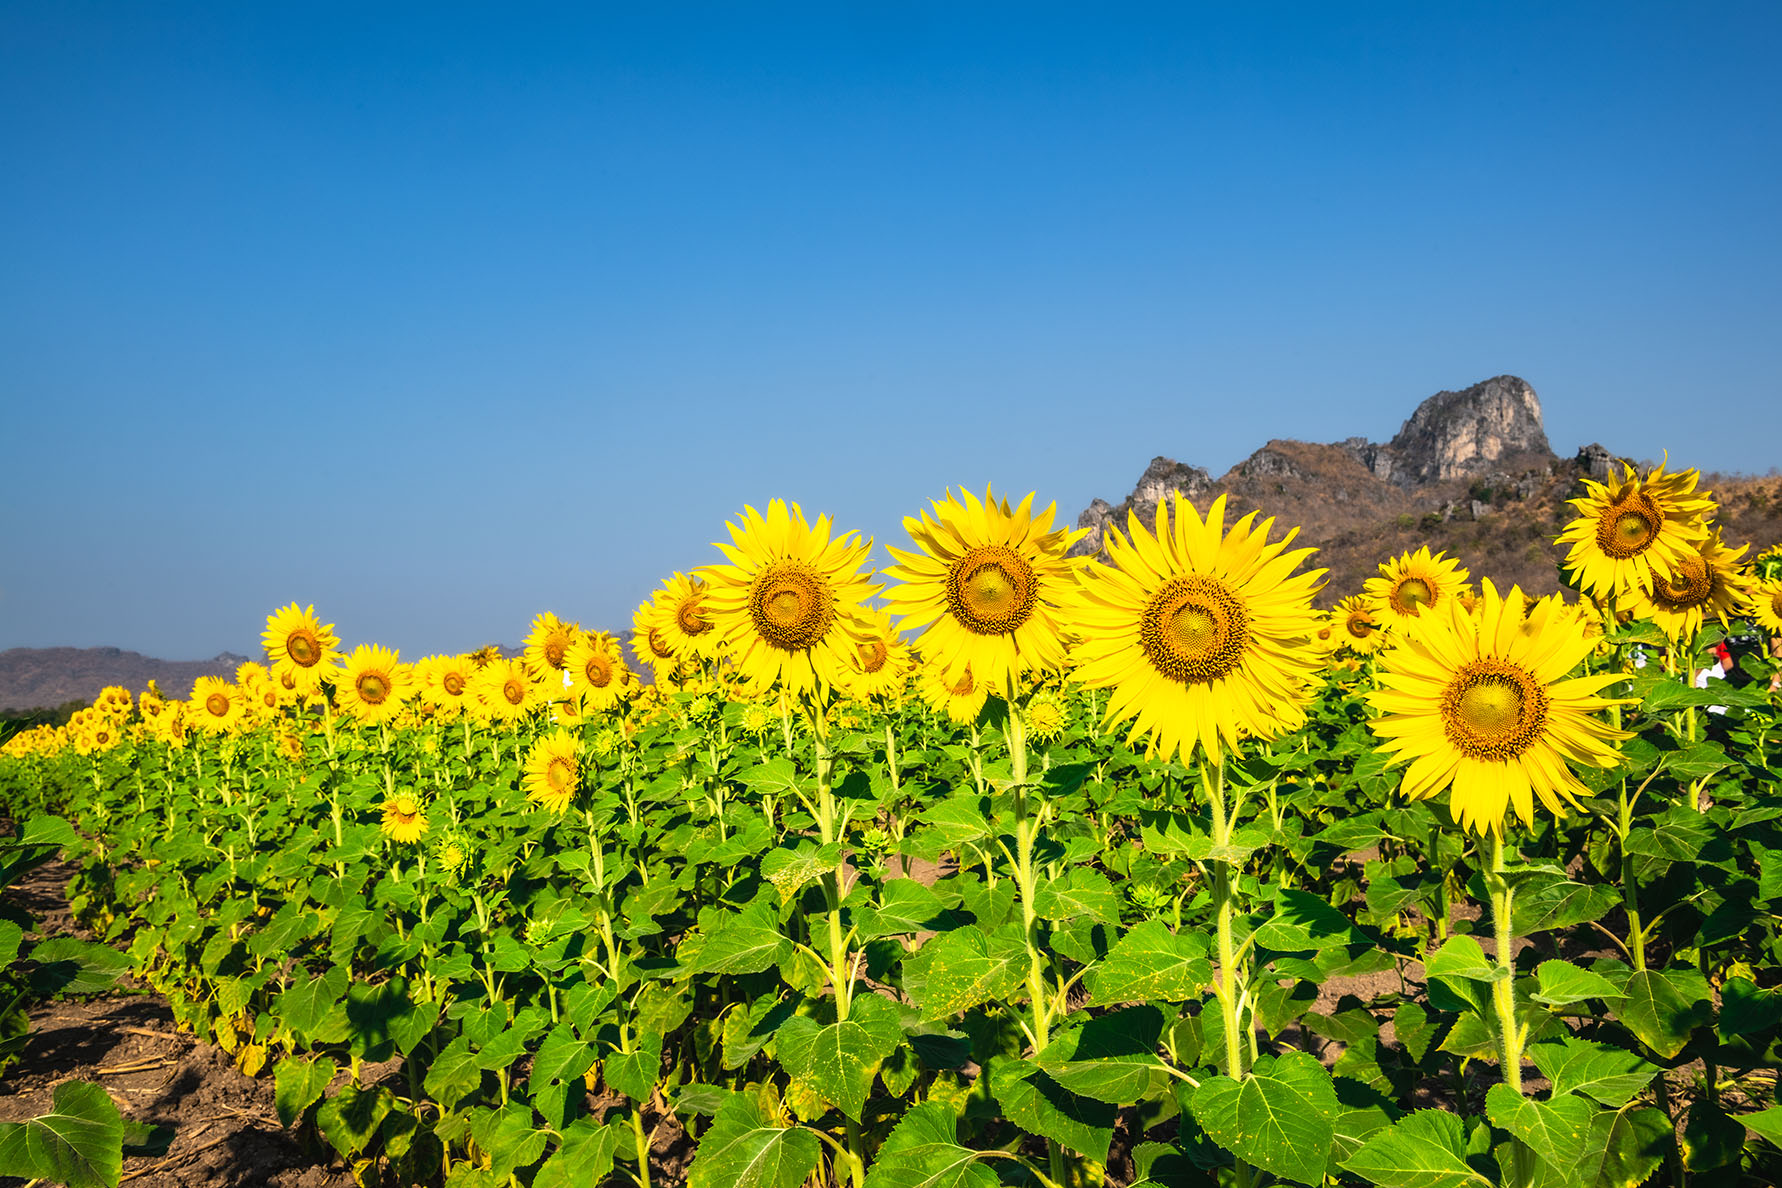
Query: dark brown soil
{"points": [[206, 1123]]}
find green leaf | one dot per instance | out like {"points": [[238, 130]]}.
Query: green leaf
{"points": [[1036, 1103], [1111, 1058], [634, 1073], [969, 968], [1711, 1139], [1746, 1008], [958, 820], [556, 1068], [1304, 921], [739, 943], [1562, 983], [1556, 903], [454, 1073], [1554, 1129], [69, 966], [80, 1142], [1658, 1013], [10, 936], [1624, 1148], [350, 1118], [904, 906], [305, 1006], [1461, 957], [1281, 1117], [47, 830], [586, 1156], [743, 1148], [1613, 1076], [839, 1060], [1766, 1123], [923, 1151], [1679, 833], [1150, 964], [1426, 1149], [299, 1084], [791, 870], [1082, 892]]}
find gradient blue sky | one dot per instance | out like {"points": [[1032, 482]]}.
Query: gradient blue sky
{"points": [[437, 316]]}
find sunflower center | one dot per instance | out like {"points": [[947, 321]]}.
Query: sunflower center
{"points": [[1494, 710], [873, 654], [217, 704], [1776, 603], [560, 774], [991, 590], [553, 651], [1690, 584], [791, 605], [659, 645], [1360, 626], [1195, 629], [690, 616], [303, 648], [514, 690], [598, 671], [1411, 595], [1626, 527], [406, 808], [454, 683], [372, 687]]}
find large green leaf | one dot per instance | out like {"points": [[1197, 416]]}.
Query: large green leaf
{"points": [[299, 1084], [1624, 1148], [1036, 1103], [1613, 1076], [350, 1118], [1082, 892], [1562, 983], [80, 1142], [967, 968], [557, 1068], [738, 943], [1657, 1011], [1304, 921], [1281, 1117], [586, 1156], [1152, 964], [1554, 1129], [1767, 1123], [1110, 1057], [454, 1073], [904, 906], [66, 965], [634, 1073], [839, 1060], [1426, 1149], [923, 1151], [744, 1148], [791, 869], [308, 1003], [1551, 903]]}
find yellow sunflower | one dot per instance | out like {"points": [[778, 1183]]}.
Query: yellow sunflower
{"points": [[597, 671], [505, 691], [549, 642], [552, 773], [300, 646], [444, 683], [1630, 529], [1704, 580], [1765, 604], [1203, 634], [405, 818], [787, 607], [1047, 716], [881, 661], [960, 697], [650, 642], [1477, 704], [1412, 583], [373, 683], [989, 586], [215, 706], [1355, 625], [682, 618]]}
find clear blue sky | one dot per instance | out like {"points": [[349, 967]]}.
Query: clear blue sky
{"points": [[438, 315]]}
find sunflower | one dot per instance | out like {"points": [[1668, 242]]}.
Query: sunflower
{"points": [[215, 706], [682, 619], [1203, 634], [1765, 604], [1630, 529], [405, 818], [1412, 583], [552, 773], [989, 586], [445, 683], [505, 691], [549, 642], [1704, 580], [300, 646], [960, 697], [881, 660], [650, 642], [1477, 704], [290, 745], [597, 671], [787, 607], [373, 683], [1355, 625], [1046, 716]]}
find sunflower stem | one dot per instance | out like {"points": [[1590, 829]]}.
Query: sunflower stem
{"points": [[1026, 830], [1510, 1034]]}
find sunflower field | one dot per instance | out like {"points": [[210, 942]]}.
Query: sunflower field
{"points": [[993, 866]]}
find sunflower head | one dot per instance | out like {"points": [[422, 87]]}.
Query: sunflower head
{"points": [[300, 646], [958, 695], [405, 818], [881, 660], [682, 621], [216, 706], [1631, 528], [1355, 625], [1413, 583], [506, 691], [989, 585], [549, 641], [1203, 634], [373, 684], [1485, 705], [552, 772], [1046, 716], [1764, 604], [1704, 580], [597, 671], [787, 605]]}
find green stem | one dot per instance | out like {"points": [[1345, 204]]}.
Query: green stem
{"points": [[1212, 776], [1027, 824], [641, 1145], [1510, 1034]]}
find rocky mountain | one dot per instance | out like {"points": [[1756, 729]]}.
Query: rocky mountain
{"points": [[32, 678], [1470, 472]]}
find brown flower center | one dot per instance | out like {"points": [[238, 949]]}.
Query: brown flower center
{"points": [[1493, 710], [560, 775], [1410, 595], [991, 590], [453, 683], [791, 605], [514, 690], [554, 649], [303, 648], [659, 645], [1361, 626], [689, 616], [1690, 585], [1194, 629], [873, 654], [217, 705], [1628, 526], [598, 671], [373, 687]]}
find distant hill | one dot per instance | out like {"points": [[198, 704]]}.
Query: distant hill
{"points": [[1470, 473], [33, 678]]}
